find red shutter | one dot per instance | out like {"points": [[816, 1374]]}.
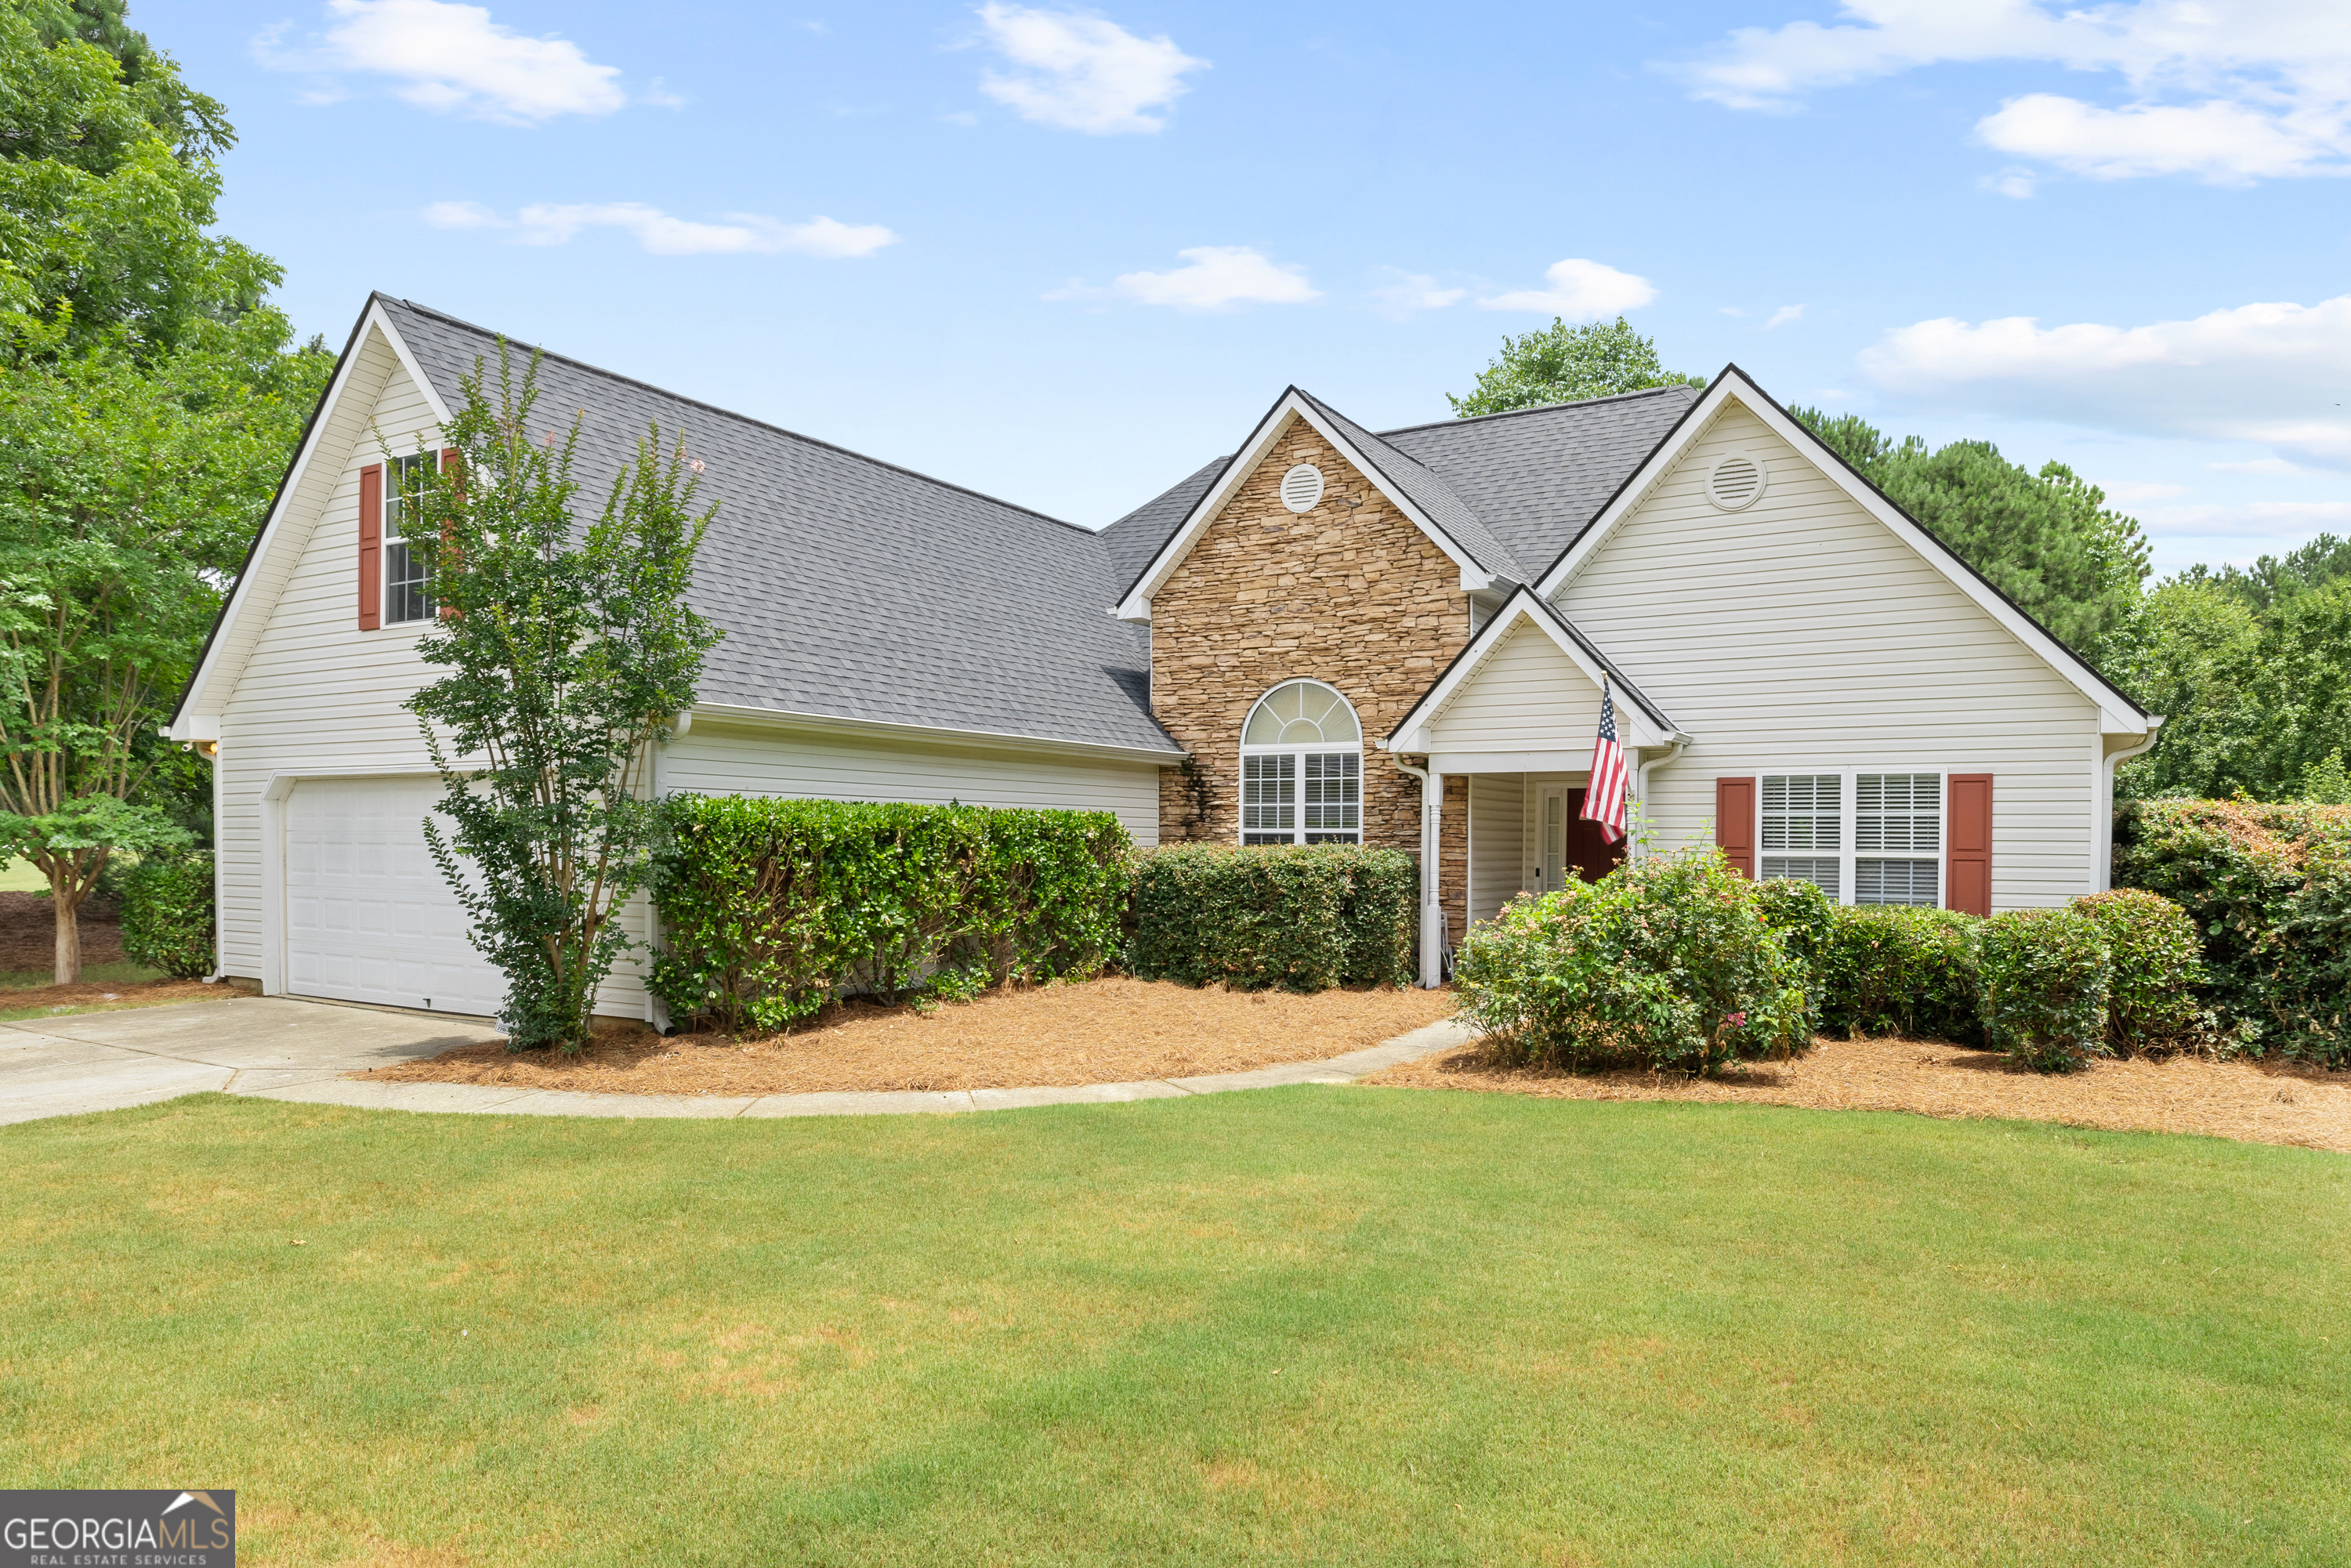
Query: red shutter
{"points": [[372, 547], [457, 483], [1734, 823], [1967, 879]]}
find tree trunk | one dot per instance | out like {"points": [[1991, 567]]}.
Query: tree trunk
{"points": [[65, 896]]}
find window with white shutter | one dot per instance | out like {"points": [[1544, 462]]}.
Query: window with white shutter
{"points": [[1804, 811], [1303, 769]]}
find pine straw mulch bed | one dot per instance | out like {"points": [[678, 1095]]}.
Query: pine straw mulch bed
{"points": [[2260, 1102], [1110, 1030]]}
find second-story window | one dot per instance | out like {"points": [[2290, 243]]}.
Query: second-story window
{"points": [[407, 587]]}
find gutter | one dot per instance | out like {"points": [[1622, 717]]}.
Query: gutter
{"points": [[835, 723]]}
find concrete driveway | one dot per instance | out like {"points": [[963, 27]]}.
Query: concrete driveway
{"points": [[101, 1061]]}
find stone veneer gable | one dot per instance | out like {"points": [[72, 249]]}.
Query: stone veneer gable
{"points": [[1352, 593]]}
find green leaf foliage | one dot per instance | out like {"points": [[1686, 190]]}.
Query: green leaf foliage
{"points": [[2255, 687], [772, 907], [2153, 1002], [167, 914], [567, 650], [2042, 976], [2048, 540], [2268, 889], [1561, 364], [1895, 969], [1298, 917], [1665, 962], [107, 190]]}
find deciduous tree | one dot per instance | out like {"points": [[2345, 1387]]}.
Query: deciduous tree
{"points": [[569, 650], [1562, 364]]}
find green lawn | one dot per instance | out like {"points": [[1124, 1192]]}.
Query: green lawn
{"points": [[1329, 1325]]}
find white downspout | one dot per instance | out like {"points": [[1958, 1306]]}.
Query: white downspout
{"points": [[1432, 951], [2105, 878], [1642, 800]]}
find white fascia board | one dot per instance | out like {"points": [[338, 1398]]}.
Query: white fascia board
{"points": [[1136, 605], [199, 692], [833, 723], [1634, 726], [2115, 713]]}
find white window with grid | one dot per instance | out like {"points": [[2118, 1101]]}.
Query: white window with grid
{"points": [[1861, 837], [407, 586], [1301, 769]]}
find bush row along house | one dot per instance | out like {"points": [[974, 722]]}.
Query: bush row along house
{"points": [[1332, 634]]}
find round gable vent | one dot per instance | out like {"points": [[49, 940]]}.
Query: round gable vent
{"points": [[1736, 481], [1301, 488]]}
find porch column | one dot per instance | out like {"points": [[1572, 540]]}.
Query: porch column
{"points": [[1432, 861]]}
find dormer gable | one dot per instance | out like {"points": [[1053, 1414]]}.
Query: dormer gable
{"points": [[1411, 488]]}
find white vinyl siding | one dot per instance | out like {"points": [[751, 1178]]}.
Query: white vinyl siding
{"points": [[1801, 629], [1524, 695], [715, 757], [308, 693], [1497, 842]]}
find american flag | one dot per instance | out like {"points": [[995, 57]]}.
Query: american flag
{"points": [[1604, 798]]}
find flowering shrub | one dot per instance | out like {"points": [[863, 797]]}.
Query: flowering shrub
{"points": [[2044, 976], [2268, 889], [1667, 961]]}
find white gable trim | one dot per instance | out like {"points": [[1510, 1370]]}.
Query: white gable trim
{"points": [[1637, 726], [196, 718], [1136, 605], [2116, 714]]}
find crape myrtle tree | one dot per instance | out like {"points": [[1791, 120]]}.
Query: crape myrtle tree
{"points": [[568, 652]]}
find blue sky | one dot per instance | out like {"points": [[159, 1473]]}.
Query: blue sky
{"points": [[1065, 255]]}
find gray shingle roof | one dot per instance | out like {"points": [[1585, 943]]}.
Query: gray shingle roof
{"points": [[1539, 475], [1429, 492], [1514, 489], [850, 588]]}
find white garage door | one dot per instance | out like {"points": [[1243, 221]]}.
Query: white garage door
{"points": [[368, 918]]}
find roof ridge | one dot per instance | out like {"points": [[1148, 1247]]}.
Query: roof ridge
{"points": [[746, 419], [1539, 408]]}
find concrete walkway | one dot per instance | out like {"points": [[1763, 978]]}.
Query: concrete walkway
{"points": [[275, 1048]]}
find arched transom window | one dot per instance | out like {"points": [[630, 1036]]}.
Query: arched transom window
{"points": [[1301, 769]]}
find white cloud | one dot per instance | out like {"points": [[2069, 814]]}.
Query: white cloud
{"points": [[2272, 373], [2288, 522], [452, 58], [2129, 492], [2227, 91], [1787, 315], [1219, 278], [2270, 467], [1082, 72], [1414, 291], [742, 234], [1581, 288], [2017, 184]]}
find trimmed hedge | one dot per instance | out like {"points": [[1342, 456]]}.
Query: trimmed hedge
{"points": [[2044, 976], [1891, 969], [771, 907], [1666, 961], [1299, 917], [2152, 1003], [2268, 887], [167, 914]]}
